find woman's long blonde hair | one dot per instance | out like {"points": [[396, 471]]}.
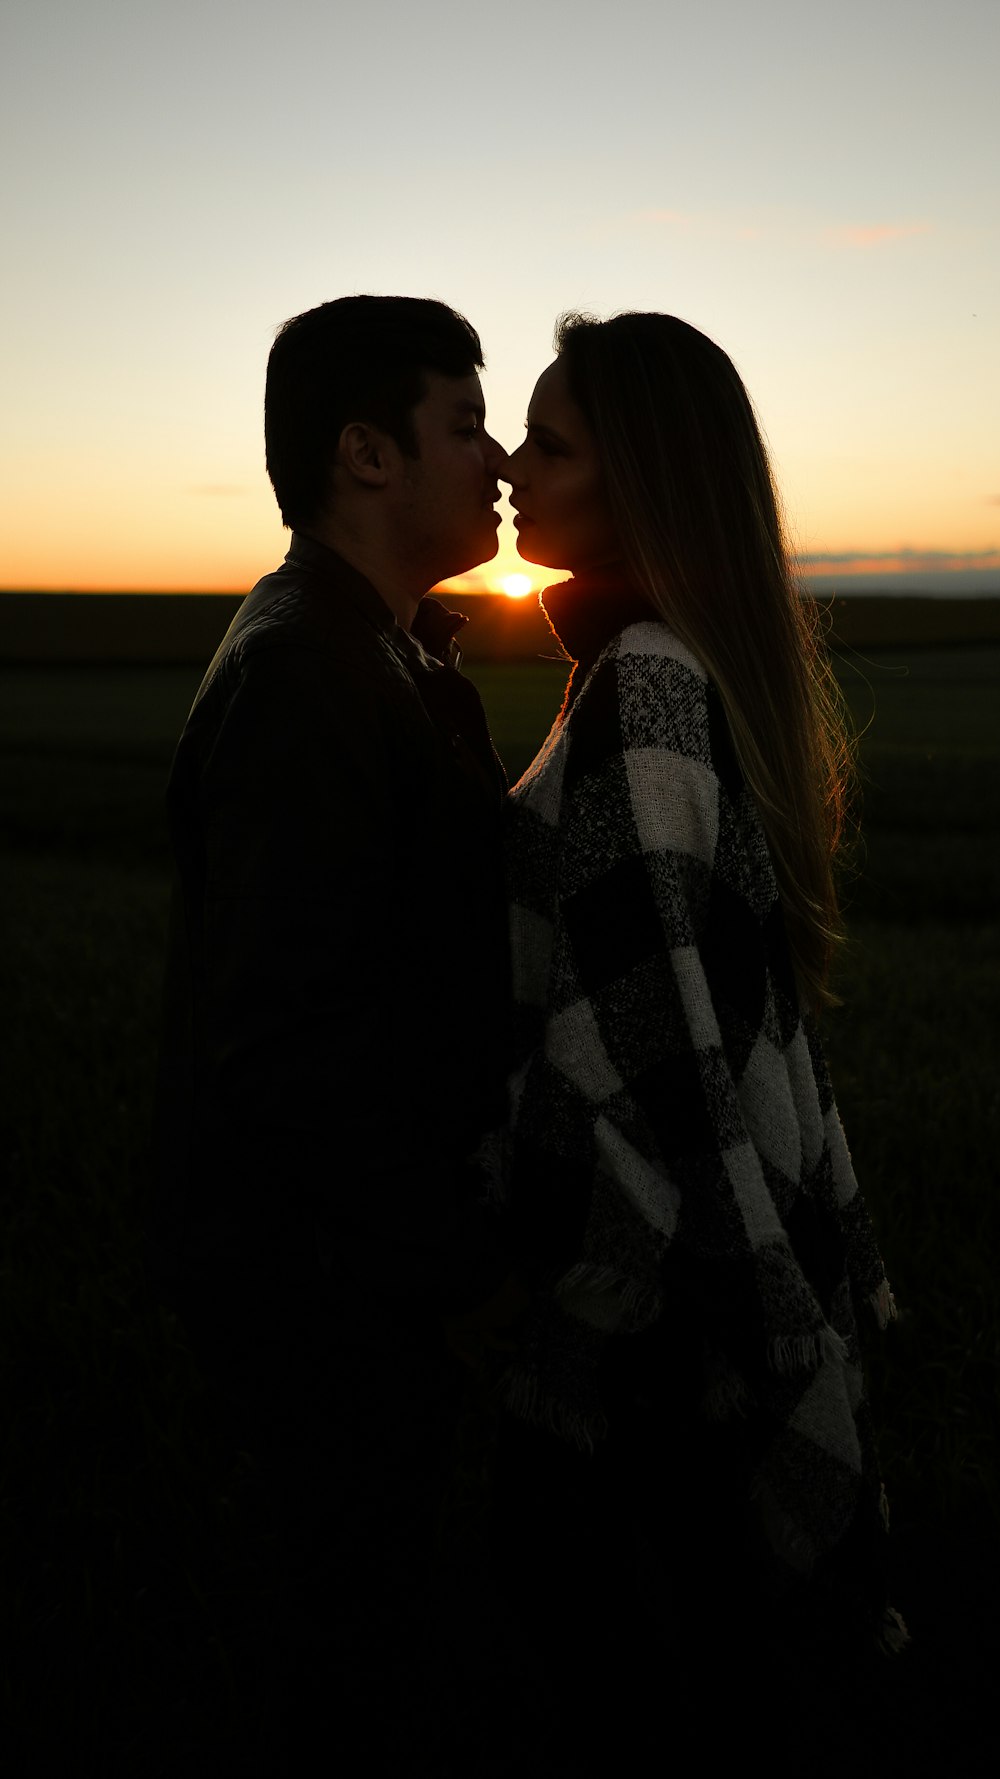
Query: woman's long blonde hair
{"points": [[698, 520]]}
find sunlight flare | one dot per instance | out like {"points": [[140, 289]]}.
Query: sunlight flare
{"points": [[516, 585]]}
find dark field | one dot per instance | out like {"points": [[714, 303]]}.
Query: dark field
{"points": [[115, 1493]]}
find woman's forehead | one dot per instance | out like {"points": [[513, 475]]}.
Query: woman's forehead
{"points": [[553, 405]]}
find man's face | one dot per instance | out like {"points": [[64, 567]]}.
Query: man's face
{"points": [[444, 498]]}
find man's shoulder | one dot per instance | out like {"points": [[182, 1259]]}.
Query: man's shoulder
{"points": [[292, 610], [300, 662], [292, 626]]}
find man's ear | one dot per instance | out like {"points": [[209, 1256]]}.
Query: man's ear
{"points": [[361, 452]]}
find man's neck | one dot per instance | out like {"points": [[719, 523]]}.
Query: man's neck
{"points": [[376, 563]]}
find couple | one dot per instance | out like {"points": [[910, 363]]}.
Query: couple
{"points": [[472, 1095]]}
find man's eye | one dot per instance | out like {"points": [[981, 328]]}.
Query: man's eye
{"points": [[468, 432]]}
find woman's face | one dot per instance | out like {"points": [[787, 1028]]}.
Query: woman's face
{"points": [[557, 487]]}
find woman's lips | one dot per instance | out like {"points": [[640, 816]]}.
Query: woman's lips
{"points": [[520, 519]]}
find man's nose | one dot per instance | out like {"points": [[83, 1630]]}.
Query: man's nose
{"points": [[507, 471], [497, 458]]}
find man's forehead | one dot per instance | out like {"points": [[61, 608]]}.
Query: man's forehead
{"points": [[453, 395]]}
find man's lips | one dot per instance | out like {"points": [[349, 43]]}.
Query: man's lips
{"points": [[522, 519]]}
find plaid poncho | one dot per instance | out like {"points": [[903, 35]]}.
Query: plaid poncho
{"points": [[672, 1124]]}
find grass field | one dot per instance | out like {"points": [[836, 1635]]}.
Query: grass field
{"points": [[115, 1493]]}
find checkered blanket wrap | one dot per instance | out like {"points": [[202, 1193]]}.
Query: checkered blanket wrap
{"points": [[671, 1101]]}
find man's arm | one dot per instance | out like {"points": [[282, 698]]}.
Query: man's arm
{"points": [[306, 1011]]}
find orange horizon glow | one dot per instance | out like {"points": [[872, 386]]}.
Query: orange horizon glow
{"points": [[465, 586], [164, 540], [497, 578]]}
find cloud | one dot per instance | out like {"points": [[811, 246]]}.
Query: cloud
{"points": [[678, 218], [721, 228], [855, 235], [755, 225], [678, 224], [993, 500], [902, 561]]}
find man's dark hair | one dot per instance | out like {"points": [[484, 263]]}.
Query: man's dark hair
{"points": [[358, 358]]}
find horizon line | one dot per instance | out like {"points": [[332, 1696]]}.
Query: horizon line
{"points": [[810, 568]]}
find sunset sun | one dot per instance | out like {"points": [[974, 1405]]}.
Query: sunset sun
{"points": [[516, 585]]}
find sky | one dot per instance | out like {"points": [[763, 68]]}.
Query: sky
{"points": [[814, 186]]}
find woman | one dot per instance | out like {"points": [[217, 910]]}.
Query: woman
{"points": [[688, 1451]]}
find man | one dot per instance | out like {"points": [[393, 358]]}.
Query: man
{"points": [[336, 1001]]}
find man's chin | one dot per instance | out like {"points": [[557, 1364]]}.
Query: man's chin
{"points": [[486, 549]]}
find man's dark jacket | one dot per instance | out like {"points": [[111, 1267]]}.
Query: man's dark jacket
{"points": [[337, 983]]}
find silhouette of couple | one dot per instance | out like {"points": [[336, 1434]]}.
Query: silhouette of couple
{"points": [[497, 1150]]}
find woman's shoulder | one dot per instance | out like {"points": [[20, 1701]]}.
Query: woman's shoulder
{"points": [[652, 641], [645, 654], [647, 690]]}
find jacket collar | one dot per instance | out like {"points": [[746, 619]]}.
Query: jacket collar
{"points": [[307, 555]]}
